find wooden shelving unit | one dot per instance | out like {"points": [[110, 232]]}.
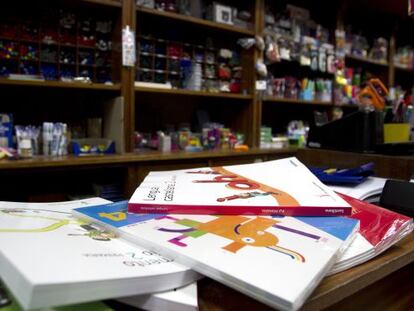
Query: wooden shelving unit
{"points": [[244, 112], [188, 42], [196, 21]]}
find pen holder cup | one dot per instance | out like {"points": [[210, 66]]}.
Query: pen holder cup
{"points": [[396, 132]]}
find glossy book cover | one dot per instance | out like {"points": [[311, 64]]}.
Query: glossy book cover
{"points": [[280, 187], [277, 260], [49, 258]]}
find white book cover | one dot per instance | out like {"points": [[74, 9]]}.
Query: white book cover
{"points": [[276, 260], [372, 186], [49, 258], [179, 299], [283, 187]]}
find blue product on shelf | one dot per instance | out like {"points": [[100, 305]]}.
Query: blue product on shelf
{"points": [[6, 130], [186, 71], [93, 146], [49, 71]]}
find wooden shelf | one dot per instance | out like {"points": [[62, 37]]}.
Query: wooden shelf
{"points": [[86, 47], [59, 84], [191, 93], [404, 69], [352, 106], [26, 41], [105, 2], [366, 60], [297, 64], [117, 159], [196, 21], [296, 101]]}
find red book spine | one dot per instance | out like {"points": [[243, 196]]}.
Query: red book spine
{"points": [[140, 208]]}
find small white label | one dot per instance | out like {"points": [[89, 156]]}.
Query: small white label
{"points": [[128, 47], [261, 85]]}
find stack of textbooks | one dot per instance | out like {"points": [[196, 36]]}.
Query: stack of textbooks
{"points": [[276, 260], [49, 258], [270, 230]]}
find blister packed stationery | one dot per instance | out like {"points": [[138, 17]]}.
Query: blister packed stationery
{"points": [[354, 175]]}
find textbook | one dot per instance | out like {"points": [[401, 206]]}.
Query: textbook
{"points": [[280, 187], [276, 260], [179, 299], [368, 190], [12, 305], [379, 230], [49, 258]]}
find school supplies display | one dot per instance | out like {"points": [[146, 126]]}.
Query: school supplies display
{"points": [[280, 187], [379, 230], [278, 261], [48, 258]]}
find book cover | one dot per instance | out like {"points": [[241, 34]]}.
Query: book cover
{"points": [[276, 260], [370, 188], [12, 305], [282, 187], [50, 258], [379, 229], [179, 299]]}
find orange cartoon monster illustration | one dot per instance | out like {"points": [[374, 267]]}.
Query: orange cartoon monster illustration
{"points": [[240, 183], [242, 231]]}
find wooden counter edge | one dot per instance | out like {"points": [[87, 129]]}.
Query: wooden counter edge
{"points": [[339, 286], [71, 160]]}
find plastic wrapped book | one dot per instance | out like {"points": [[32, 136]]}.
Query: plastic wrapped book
{"points": [[379, 230]]}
